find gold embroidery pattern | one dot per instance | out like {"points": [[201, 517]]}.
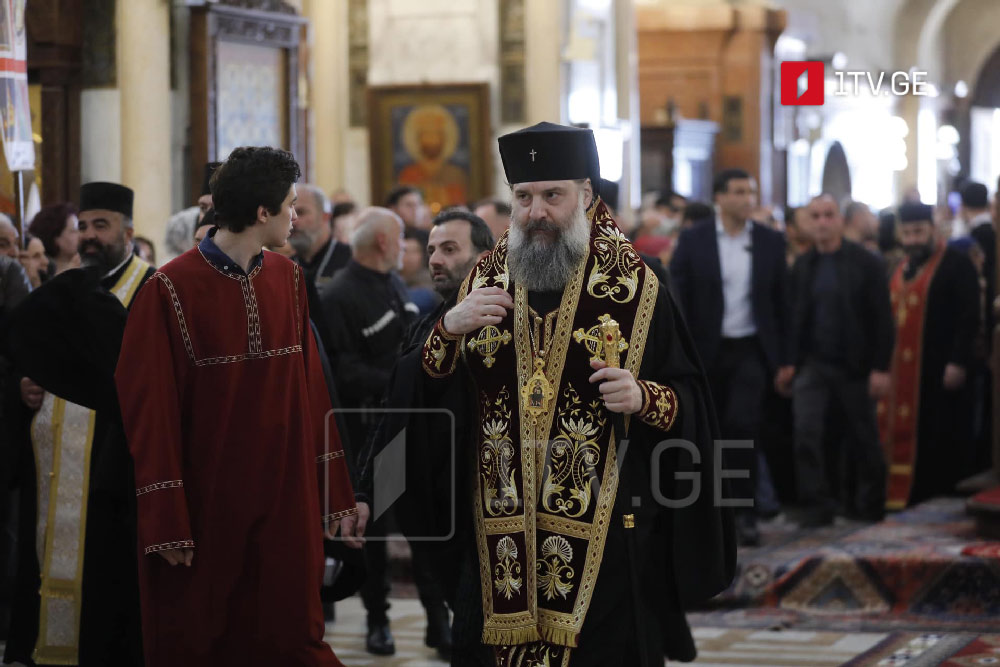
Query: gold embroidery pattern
{"points": [[440, 353], [573, 457], [496, 459], [180, 313], [253, 316], [591, 339], [340, 515], [183, 544], [554, 571], [488, 342], [614, 256], [330, 456], [298, 316], [159, 486], [490, 265], [129, 282], [535, 654], [659, 405], [507, 572], [63, 435], [212, 361]]}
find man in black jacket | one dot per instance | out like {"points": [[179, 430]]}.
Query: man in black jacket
{"points": [[457, 241], [367, 314], [841, 341], [729, 276]]}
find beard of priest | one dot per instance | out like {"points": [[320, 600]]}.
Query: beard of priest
{"points": [[546, 241], [564, 571]]}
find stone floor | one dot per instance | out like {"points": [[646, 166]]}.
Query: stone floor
{"points": [[716, 646]]}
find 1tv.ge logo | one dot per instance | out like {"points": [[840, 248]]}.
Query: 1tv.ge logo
{"points": [[803, 84]]}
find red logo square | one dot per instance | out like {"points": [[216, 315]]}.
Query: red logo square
{"points": [[802, 83]]}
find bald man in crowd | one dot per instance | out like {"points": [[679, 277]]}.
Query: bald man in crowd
{"points": [[367, 313]]}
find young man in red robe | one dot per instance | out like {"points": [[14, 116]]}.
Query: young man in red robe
{"points": [[239, 468]]}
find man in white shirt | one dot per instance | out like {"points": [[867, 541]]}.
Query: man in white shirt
{"points": [[729, 275]]}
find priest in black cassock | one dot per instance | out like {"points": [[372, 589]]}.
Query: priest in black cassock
{"points": [[566, 523], [77, 598], [925, 422]]}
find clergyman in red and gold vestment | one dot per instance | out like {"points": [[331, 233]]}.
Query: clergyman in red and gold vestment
{"points": [[925, 422], [237, 466]]}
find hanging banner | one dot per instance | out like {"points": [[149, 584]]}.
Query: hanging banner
{"points": [[15, 110]]}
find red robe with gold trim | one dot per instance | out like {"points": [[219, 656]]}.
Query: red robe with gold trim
{"points": [[226, 411], [926, 430]]}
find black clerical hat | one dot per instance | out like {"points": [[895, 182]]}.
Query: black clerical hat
{"points": [[974, 195], [108, 196], [550, 152], [210, 168], [608, 190], [916, 212]]}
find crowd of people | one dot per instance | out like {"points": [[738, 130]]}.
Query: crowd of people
{"points": [[846, 354]]}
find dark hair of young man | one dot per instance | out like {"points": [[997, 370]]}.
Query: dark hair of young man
{"points": [[721, 182], [252, 176], [397, 193], [696, 211], [482, 238]]}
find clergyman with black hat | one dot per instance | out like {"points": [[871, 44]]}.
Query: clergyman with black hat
{"points": [[570, 553], [77, 596], [925, 421]]}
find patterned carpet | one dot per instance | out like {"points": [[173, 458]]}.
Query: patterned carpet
{"points": [[732, 647], [918, 569]]}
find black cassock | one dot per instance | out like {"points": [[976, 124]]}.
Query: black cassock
{"points": [[681, 556], [66, 336], [944, 426]]}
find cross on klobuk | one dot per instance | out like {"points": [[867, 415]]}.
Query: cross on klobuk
{"points": [[532, 154], [488, 342]]}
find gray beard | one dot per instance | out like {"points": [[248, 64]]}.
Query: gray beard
{"points": [[301, 243], [547, 268]]}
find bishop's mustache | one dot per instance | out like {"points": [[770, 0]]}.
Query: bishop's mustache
{"points": [[541, 226], [97, 246]]}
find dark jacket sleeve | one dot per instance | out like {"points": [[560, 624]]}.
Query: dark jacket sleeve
{"points": [[965, 294], [346, 356], [794, 304], [880, 309], [680, 272], [14, 284], [782, 312], [66, 336]]}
